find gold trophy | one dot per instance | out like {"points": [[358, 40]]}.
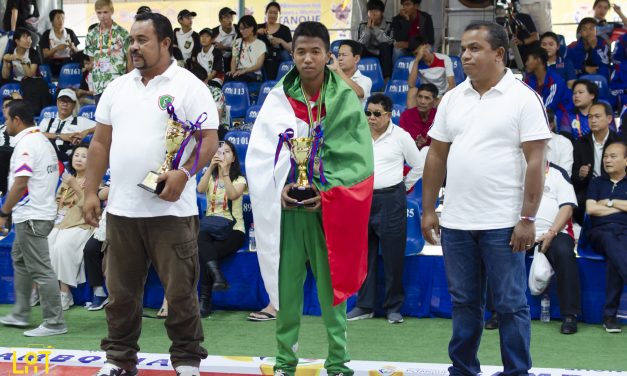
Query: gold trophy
{"points": [[300, 150], [175, 134]]}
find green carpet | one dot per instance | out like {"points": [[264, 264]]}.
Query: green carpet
{"points": [[416, 340]]}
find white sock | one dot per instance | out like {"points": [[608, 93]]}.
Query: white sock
{"points": [[99, 291]]}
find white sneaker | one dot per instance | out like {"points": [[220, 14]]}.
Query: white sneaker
{"points": [[42, 331], [67, 300], [187, 371], [112, 370], [9, 320], [34, 297]]}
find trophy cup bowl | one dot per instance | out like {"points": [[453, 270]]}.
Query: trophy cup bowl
{"points": [[175, 134], [300, 152]]}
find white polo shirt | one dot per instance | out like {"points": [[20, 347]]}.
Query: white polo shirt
{"points": [[560, 151], [138, 115], [558, 191], [485, 166], [365, 83], [391, 150], [71, 124], [35, 157]]}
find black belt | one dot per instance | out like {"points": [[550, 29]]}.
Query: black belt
{"points": [[389, 189]]}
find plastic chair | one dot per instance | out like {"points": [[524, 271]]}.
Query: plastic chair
{"points": [[397, 110], [236, 95], [46, 73], [401, 68], [458, 69], [251, 114], [601, 82], [584, 247], [371, 67], [70, 76], [240, 140], [266, 87], [284, 67], [397, 91], [48, 112], [8, 89], [52, 89], [88, 111], [335, 46]]}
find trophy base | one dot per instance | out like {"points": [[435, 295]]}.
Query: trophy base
{"points": [[301, 194], [150, 183]]}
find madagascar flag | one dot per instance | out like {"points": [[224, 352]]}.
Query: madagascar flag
{"points": [[348, 166]]}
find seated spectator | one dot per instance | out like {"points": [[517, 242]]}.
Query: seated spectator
{"points": [[186, 42], [548, 84], [524, 32], [216, 91], [605, 28], [278, 40], [85, 91], [588, 153], [589, 54], [70, 232], [430, 67], [224, 185], [248, 53], [564, 67], [226, 34], [410, 22], [93, 255], [58, 45], [209, 57], [22, 14], [620, 50], [417, 119], [574, 125], [66, 130], [24, 61], [560, 149], [345, 65], [376, 36], [607, 207]]}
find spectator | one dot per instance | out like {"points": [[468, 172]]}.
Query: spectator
{"points": [[85, 91], [575, 124], [409, 22], [345, 65], [388, 216], [93, 254], [186, 42], [278, 40], [70, 233], [560, 149], [606, 205], [248, 53], [226, 34], [66, 130], [430, 67], [24, 61], [605, 28], [588, 153], [224, 185], [524, 31], [417, 119], [209, 57], [22, 14], [620, 50], [549, 85], [58, 45], [589, 53], [216, 92], [376, 36], [5, 147], [564, 67], [107, 45]]}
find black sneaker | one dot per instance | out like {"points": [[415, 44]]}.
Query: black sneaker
{"points": [[112, 370], [569, 325], [493, 322], [359, 314], [610, 323]]}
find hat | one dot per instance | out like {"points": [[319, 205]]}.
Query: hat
{"points": [[185, 13], [67, 93], [207, 30], [144, 9], [225, 11]]}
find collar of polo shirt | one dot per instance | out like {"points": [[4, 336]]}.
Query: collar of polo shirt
{"points": [[169, 73], [504, 84]]}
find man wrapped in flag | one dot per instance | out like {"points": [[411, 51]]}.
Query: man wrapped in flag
{"points": [[330, 230]]}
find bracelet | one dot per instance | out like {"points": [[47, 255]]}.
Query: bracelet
{"points": [[3, 214], [189, 176], [527, 218]]}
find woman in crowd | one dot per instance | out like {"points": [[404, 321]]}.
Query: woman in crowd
{"points": [[550, 42], [248, 53], [224, 185], [278, 40], [574, 125], [58, 44], [24, 61]]}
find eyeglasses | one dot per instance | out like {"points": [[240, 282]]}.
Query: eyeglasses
{"points": [[375, 113]]}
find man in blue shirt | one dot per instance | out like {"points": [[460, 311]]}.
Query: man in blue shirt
{"points": [[607, 208], [589, 54]]}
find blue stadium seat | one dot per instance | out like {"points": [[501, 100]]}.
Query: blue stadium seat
{"points": [[46, 73], [397, 91], [251, 114], [70, 75], [601, 81], [335, 46], [584, 248], [284, 67], [48, 112], [266, 87], [371, 67], [458, 69], [397, 110], [240, 140], [236, 95], [562, 47], [7, 89], [88, 111], [52, 89], [401, 68]]}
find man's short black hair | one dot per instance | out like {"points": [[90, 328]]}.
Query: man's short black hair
{"points": [[585, 21], [552, 35], [53, 13], [356, 47], [497, 37], [431, 88], [162, 25], [591, 87], [618, 142], [607, 108], [375, 5], [539, 53], [417, 2], [20, 32], [248, 21], [415, 42], [381, 99], [312, 29], [23, 110]]}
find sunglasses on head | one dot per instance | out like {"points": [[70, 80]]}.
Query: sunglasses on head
{"points": [[375, 113]]}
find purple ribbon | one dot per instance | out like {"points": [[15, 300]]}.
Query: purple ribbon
{"points": [[317, 145], [191, 130], [284, 138]]}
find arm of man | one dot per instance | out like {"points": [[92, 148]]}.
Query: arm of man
{"points": [[594, 209], [432, 180], [413, 158], [14, 13], [620, 205], [561, 219], [334, 66], [97, 162], [534, 37], [15, 193], [451, 82]]}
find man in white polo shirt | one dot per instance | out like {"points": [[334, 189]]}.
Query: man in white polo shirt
{"points": [[33, 177], [430, 67], [144, 227], [345, 65], [484, 131]]}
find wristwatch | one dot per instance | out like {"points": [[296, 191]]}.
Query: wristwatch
{"points": [[610, 203]]}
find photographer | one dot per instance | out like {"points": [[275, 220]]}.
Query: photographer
{"points": [[521, 28]]}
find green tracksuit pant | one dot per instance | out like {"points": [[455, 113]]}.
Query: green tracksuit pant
{"points": [[302, 239]]}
